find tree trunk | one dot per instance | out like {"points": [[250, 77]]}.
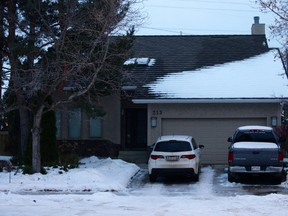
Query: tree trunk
{"points": [[36, 154], [25, 129]]}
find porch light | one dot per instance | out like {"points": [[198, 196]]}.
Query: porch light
{"points": [[153, 121], [274, 121]]}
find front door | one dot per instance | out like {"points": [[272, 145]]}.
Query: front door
{"points": [[135, 135]]}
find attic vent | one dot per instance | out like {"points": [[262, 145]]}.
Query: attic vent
{"points": [[140, 61]]}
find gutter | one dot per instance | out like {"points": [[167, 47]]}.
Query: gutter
{"points": [[209, 100]]}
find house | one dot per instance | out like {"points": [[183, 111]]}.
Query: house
{"points": [[201, 85]]}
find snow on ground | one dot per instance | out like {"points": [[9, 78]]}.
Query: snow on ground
{"points": [[93, 175], [90, 190]]}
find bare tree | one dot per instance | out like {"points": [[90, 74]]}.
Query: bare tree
{"points": [[1, 43], [280, 27], [53, 46], [9, 50]]}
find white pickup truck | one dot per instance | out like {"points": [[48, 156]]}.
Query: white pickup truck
{"points": [[255, 150]]}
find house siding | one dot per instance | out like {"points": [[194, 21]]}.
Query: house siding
{"points": [[110, 121], [108, 144]]}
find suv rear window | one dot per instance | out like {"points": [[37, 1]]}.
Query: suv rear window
{"points": [[255, 136], [173, 146]]}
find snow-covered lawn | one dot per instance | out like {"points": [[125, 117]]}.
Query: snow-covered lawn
{"points": [[93, 175], [90, 190]]}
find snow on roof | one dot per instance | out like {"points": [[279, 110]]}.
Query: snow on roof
{"points": [[262, 76], [140, 61], [174, 137], [255, 127]]}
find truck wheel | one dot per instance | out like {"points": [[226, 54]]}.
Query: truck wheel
{"points": [[284, 176], [278, 179], [231, 178]]}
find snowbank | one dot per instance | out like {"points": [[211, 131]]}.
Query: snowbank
{"points": [[93, 175], [99, 187]]}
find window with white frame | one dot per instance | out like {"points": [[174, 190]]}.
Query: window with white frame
{"points": [[95, 127], [74, 123]]}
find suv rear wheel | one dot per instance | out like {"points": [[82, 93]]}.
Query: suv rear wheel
{"points": [[196, 177], [152, 178]]}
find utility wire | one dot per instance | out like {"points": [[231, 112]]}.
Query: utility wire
{"points": [[183, 30], [213, 2], [200, 8]]}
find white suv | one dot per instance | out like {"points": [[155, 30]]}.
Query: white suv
{"points": [[175, 155]]}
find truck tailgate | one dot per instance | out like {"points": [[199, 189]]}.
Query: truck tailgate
{"points": [[255, 154]]}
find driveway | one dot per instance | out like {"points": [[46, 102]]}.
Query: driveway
{"points": [[213, 180]]}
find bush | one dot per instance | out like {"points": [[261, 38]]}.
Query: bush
{"points": [[69, 161], [28, 170]]}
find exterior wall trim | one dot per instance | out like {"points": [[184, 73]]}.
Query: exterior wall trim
{"points": [[181, 101]]}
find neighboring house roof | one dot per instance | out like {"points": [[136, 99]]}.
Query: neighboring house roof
{"points": [[206, 67]]}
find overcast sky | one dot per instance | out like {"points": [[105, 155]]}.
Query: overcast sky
{"points": [[198, 17]]}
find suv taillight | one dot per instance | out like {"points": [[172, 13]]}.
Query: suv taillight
{"points": [[190, 157], [230, 157], [280, 156], [155, 157]]}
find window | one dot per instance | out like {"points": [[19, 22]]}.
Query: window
{"points": [[74, 123], [255, 136], [173, 146], [58, 124], [95, 127]]}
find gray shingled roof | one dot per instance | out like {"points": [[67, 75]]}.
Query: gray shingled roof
{"points": [[183, 53]]}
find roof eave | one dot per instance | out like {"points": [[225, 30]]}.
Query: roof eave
{"points": [[209, 100]]}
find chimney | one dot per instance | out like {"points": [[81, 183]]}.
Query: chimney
{"points": [[257, 28]]}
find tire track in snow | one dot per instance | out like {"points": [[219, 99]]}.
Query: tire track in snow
{"points": [[203, 189]]}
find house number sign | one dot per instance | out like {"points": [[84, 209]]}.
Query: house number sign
{"points": [[157, 112]]}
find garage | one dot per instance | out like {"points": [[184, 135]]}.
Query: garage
{"points": [[211, 132], [209, 86]]}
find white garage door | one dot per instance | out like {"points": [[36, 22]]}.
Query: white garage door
{"points": [[212, 133]]}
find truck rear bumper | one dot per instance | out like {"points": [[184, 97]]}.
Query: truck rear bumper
{"points": [[255, 169]]}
